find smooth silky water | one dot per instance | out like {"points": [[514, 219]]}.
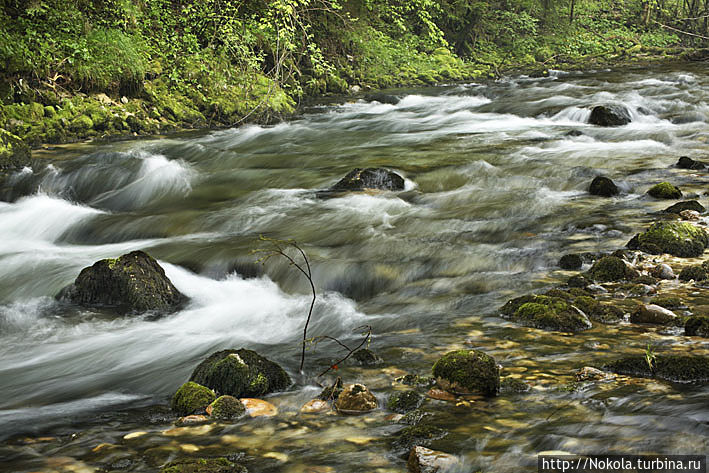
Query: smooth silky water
{"points": [[496, 193]]}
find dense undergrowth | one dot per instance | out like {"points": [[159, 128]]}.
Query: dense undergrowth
{"points": [[93, 68]]}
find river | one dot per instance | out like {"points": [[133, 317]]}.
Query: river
{"points": [[496, 192]]}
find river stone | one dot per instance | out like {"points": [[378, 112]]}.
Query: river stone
{"points": [[240, 373], [664, 190], [685, 205], [676, 238], [603, 186], [258, 407], [421, 434], [610, 268], [191, 398], [689, 163], [697, 325], [663, 271], [14, 153], [425, 460], [382, 98], [690, 215], [370, 178], [676, 368], [546, 313], [404, 402], [331, 393], [134, 282], [366, 357], [226, 408], [589, 373], [609, 115], [203, 465], [571, 261], [355, 399], [694, 272], [467, 371], [652, 314]]}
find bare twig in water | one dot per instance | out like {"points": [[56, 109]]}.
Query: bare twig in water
{"points": [[367, 336]]}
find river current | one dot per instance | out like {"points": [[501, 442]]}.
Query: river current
{"points": [[496, 191]]}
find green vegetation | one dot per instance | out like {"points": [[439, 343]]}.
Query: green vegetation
{"points": [[676, 238], [468, 371], [191, 398], [665, 190], [95, 68]]}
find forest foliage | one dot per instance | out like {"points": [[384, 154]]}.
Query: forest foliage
{"points": [[220, 61]]}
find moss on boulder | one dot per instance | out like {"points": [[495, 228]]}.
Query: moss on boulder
{"points": [[404, 402], [599, 311], [240, 373], [421, 434], [468, 371], [610, 268], [191, 398], [14, 153], [571, 261], [668, 302], [547, 313], [226, 408], [695, 272], [664, 190], [134, 282], [675, 368], [676, 238], [697, 325]]}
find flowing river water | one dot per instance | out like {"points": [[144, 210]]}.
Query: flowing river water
{"points": [[496, 193]]}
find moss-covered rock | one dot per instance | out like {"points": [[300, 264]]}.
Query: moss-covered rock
{"points": [[571, 261], [356, 398], [421, 434], [547, 313], [203, 465], [226, 408], [578, 281], [685, 205], [676, 368], [664, 190], [191, 398], [404, 402], [697, 325], [14, 153], [609, 268], [695, 272], [668, 302], [652, 314], [676, 238], [514, 386], [366, 357], [599, 311], [603, 186], [468, 371], [240, 373], [134, 282]]}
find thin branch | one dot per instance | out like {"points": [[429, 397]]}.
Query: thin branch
{"points": [[365, 340]]}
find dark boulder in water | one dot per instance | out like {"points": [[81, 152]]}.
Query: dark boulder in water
{"points": [[359, 180], [571, 261], [676, 238], [676, 368], [689, 163], [685, 205], [665, 190], [609, 115], [382, 98], [604, 187], [240, 373], [697, 326], [134, 282]]}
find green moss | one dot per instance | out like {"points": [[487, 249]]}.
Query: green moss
{"points": [[695, 272], [598, 311], [514, 385], [668, 302], [404, 402], [676, 368], [227, 408], [578, 281], [420, 434], [14, 153], [550, 313], [664, 190], [191, 398], [697, 325], [676, 238], [609, 268], [203, 465], [468, 371]]}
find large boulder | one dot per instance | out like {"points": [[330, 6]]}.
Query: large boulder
{"points": [[240, 373], [652, 314], [546, 313], [134, 282], [603, 186], [369, 178], [686, 162], [665, 190], [467, 371], [609, 115], [356, 399], [695, 272], [676, 238], [685, 205], [14, 153], [610, 268], [676, 368]]}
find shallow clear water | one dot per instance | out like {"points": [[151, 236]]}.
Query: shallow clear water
{"points": [[496, 193]]}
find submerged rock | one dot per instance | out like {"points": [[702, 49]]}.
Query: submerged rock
{"points": [[240, 373], [694, 272], [664, 190], [425, 460], [697, 325], [191, 398], [689, 163], [663, 271], [134, 282], [331, 393], [589, 373], [421, 434], [369, 178], [685, 205], [676, 238], [404, 402], [514, 386], [609, 115], [668, 302], [603, 186], [571, 261], [652, 314], [467, 371], [203, 465], [366, 357], [675, 368], [610, 268], [14, 153], [382, 98], [356, 399], [258, 407], [546, 313], [226, 408]]}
